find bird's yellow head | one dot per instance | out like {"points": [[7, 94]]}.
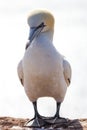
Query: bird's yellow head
{"points": [[40, 21], [37, 17]]}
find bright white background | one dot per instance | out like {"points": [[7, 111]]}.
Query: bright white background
{"points": [[70, 39]]}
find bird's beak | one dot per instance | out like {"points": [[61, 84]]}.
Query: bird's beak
{"points": [[35, 31]]}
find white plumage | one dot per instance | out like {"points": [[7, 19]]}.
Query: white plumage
{"points": [[20, 72], [43, 71]]}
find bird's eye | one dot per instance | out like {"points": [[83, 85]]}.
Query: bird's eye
{"points": [[39, 26]]}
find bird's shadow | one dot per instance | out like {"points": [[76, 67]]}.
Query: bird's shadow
{"points": [[70, 125]]}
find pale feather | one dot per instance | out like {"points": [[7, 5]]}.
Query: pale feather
{"points": [[20, 72], [67, 71]]}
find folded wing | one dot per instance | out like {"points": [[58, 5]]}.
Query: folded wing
{"points": [[67, 72], [20, 72]]}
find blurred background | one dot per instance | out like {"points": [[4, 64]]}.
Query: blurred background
{"points": [[70, 39]]}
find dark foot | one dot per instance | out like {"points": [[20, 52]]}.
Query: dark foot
{"points": [[60, 119], [60, 122], [37, 122], [56, 120]]}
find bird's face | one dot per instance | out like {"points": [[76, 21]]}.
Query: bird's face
{"points": [[40, 21], [35, 31]]}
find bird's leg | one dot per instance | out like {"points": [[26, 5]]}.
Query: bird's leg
{"points": [[38, 121], [57, 110], [57, 117]]}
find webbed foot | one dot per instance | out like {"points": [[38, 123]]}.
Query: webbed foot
{"points": [[37, 122]]}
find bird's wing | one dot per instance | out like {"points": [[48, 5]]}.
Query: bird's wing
{"points": [[67, 71], [20, 72]]}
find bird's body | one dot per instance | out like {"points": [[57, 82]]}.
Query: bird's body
{"points": [[45, 71]]}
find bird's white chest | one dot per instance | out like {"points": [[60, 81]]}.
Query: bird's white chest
{"points": [[42, 70], [41, 60]]}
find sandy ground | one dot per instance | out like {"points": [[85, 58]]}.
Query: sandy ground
{"points": [[10, 123]]}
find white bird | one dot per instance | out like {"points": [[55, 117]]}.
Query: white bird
{"points": [[43, 71]]}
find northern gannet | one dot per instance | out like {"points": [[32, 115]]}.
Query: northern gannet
{"points": [[43, 71]]}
